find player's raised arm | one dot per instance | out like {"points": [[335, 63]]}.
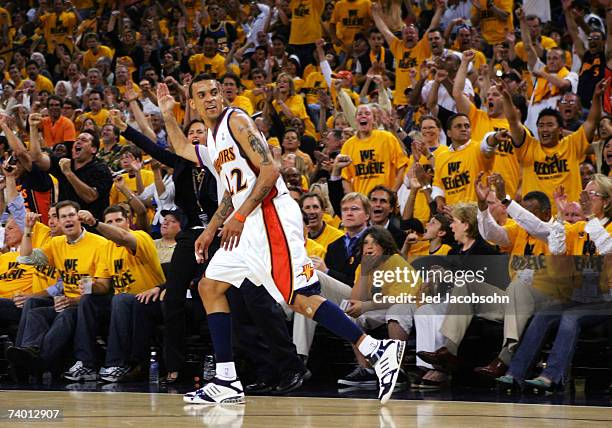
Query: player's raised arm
{"points": [[177, 138], [258, 153]]}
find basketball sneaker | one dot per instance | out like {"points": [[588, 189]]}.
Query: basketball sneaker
{"points": [[386, 360], [114, 374], [217, 391]]}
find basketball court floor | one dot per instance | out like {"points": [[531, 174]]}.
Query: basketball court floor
{"points": [[94, 405]]}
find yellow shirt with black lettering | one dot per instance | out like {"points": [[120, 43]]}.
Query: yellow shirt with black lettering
{"points": [[258, 100], [87, 256], [376, 160], [328, 235], [314, 83], [58, 29], [407, 59], [505, 162], [199, 63], [305, 21], [138, 272], [351, 17], [547, 168], [14, 277], [493, 29], [456, 171], [546, 43], [421, 248]]}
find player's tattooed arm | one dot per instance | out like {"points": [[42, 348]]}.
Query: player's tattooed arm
{"points": [[255, 147], [259, 146], [224, 210]]}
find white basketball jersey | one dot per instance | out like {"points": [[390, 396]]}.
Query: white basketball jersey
{"points": [[224, 157]]}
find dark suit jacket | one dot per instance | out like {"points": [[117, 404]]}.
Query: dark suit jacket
{"points": [[341, 265]]}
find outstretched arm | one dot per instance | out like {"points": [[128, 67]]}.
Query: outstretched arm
{"points": [[592, 120], [118, 235], [462, 101], [179, 141]]}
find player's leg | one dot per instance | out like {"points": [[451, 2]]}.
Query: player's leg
{"points": [[225, 386], [384, 355]]}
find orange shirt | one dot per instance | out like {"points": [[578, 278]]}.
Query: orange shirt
{"points": [[60, 131]]}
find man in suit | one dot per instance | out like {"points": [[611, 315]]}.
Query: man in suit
{"points": [[337, 271], [384, 204]]}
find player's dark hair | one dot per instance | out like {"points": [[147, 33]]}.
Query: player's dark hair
{"points": [[199, 78]]}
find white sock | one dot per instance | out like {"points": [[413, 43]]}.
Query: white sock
{"points": [[367, 346], [226, 371]]}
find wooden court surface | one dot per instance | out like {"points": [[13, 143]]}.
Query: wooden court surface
{"points": [[112, 409]]}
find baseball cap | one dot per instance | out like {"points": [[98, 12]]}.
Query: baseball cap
{"points": [[177, 213]]}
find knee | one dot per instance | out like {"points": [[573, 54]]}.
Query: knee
{"points": [[122, 300], [210, 290]]}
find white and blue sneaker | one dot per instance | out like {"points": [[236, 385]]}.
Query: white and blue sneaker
{"points": [[217, 391], [78, 372], [387, 360]]}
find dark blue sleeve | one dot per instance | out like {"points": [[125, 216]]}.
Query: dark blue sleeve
{"points": [[161, 155]]}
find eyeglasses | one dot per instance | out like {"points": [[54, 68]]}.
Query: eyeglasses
{"points": [[595, 193], [596, 39], [570, 102]]}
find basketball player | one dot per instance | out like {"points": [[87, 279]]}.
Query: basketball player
{"points": [[261, 239]]}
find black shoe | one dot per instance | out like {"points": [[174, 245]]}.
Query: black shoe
{"points": [[292, 382], [259, 388], [361, 378], [24, 361]]}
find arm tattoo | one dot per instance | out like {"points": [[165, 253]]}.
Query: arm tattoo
{"points": [[262, 194], [259, 148], [225, 207]]}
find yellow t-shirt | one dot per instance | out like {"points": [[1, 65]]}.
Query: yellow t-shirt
{"points": [[14, 277], [407, 59], [73, 261], [44, 276], [305, 21], [244, 103], [41, 84], [58, 29], [295, 103], [421, 248], [494, 30], [313, 84], [576, 238], [329, 235], [258, 101], [334, 221], [315, 249], [134, 273], [203, 64], [99, 118], [123, 88], [90, 58], [545, 169], [376, 160], [350, 18], [456, 172], [505, 162], [422, 212]]}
